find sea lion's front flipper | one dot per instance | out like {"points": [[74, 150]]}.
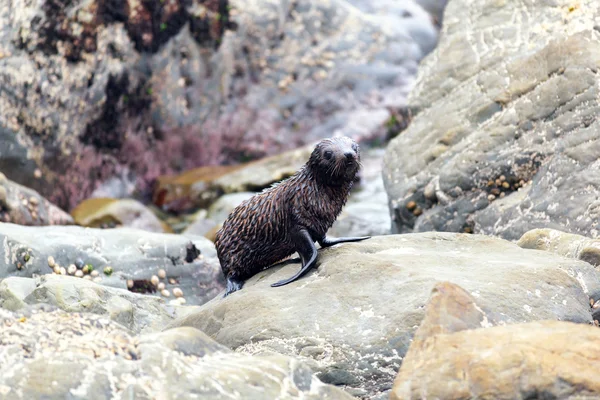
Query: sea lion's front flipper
{"points": [[305, 246], [325, 242]]}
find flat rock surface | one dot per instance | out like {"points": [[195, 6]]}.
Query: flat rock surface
{"points": [[505, 136], [53, 354], [354, 317], [458, 354], [188, 262]]}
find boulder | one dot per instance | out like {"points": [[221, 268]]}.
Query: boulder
{"points": [[90, 70], [353, 318], [182, 192], [504, 137], [24, 206], [565, 244], [85, 356], [14, 290], [110, 213], [457, 354], [125, 258]]}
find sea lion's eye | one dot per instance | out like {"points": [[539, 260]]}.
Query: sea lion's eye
{"points": [[328, 154]]}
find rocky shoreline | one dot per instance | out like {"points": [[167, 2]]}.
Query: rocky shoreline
{"points": [[482, 275]]}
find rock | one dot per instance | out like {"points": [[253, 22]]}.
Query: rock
{"points": [[189, 261], [109, 213], [131, 92], [406, 16], [201, 187], [206, 224], [366, 213], [565, 244], [189, 189], [353, 318], [201, 226], [93, 357], [296, 73], [136, 312], [504, 125], [452, 358], [87, 69], [435, 7], [263, 173], [220, 210], [24, 206], [14, 290]]}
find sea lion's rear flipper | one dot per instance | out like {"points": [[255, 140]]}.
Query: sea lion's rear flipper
{"points": [[232, 286], [325, 242], [305, 246]]}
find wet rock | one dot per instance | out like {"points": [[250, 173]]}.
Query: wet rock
{"points": [[134, 255], [24, 206], [352, 319], [504, 133], [457, 354], [565, 244], [110, 213], [93, 357]]}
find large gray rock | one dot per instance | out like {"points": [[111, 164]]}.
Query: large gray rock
{"points": [[505, 137], [75, 76], [353, 318], [56, 355], [189, 262]]}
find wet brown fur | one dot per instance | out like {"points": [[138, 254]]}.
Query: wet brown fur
{"points": [[259, 232]]}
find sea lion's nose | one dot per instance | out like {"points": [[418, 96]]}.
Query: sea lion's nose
{"points": [[349, 155]]}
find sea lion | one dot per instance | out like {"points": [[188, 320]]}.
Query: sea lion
{"points": [[290, 216]]}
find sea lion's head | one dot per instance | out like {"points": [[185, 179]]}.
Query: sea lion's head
{"points": [[335, 160]]}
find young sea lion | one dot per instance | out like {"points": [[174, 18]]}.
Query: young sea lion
{"points": [[289, 216]]}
